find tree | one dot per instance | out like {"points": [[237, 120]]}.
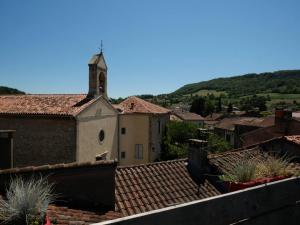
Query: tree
{"points": [[217, 144], [219, 105], [198, 106], [229, 108], [175, 139]]}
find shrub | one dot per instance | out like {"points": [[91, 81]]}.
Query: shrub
{"points": [[273, 166], [26, 201], [243, 172], [217, 144]]}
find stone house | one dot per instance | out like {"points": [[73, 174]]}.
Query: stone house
{"points": [[188, 117]]}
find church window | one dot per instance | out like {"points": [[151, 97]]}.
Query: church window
{"points": [[101, 83], [101, 135], [123, 130]]}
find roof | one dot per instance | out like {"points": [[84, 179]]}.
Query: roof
{"points": [[187, 116], [54, 167], [229, 123], [213, 116], [153, 186], [134, 104], [44, 104], [64, 215], [266, 133]]}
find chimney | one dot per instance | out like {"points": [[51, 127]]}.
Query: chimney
{"points": [[197, 160], [282, 119]]}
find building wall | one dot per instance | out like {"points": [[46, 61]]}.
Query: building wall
{"points": [[39, 141], [99, 116], [156, 134], [137, 132]]}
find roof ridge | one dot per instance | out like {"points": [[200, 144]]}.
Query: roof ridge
{"points": [[152, 163]]}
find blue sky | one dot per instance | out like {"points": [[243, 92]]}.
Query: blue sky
{"points": [[151, 47]]}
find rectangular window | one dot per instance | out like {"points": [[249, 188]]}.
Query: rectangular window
{"points": [[123, 130], [138, 151], [123, 155]]}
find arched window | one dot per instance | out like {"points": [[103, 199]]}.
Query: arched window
{"points": [[101, 83]]}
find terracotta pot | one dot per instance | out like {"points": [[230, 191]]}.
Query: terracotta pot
{"points": [[235, 186]]}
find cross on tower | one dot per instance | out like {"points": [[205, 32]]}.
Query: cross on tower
{"points": [[101, 47]]}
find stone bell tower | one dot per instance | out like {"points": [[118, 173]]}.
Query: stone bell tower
{"points": [[97, 76]]}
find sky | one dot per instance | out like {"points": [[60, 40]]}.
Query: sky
{"points": [[151, 47]]}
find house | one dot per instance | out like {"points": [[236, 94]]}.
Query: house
{"points": [[188, 117], [284, 124], [231, 128], [38, 129], [212, 119], [161, 186], [141, 129]]}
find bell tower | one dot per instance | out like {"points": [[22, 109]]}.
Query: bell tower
{"points": [[97, 76]]}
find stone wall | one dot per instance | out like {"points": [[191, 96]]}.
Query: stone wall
{"points": [[39, 141]]}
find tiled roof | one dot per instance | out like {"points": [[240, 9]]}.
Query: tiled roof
{"points": [[153, 186], [136, 105], [185, 115], [67, 216], [266, 133], [45, 104], [213, 116], [54, 167], [229, 123]]}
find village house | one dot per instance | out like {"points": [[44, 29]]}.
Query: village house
{"points": [[141, 126], [284, 124], [38, 129], [232, 128], [187, 117]]}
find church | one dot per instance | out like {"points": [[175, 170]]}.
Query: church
{"points": [[39, 129]]}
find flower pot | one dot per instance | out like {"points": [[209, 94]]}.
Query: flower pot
{"points": [[235, 186]]}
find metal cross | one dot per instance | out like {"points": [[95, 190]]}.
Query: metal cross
{"points": [[101, 47]]}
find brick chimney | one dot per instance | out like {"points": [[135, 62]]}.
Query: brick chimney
{"points": [[282, 119], [197, 160]]}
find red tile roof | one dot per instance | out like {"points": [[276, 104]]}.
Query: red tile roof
{"points": [[48, 104], [229, 123], [187, 116], [136, 105], [67, 216], [214, 116], [153, 186], [266, 133]]}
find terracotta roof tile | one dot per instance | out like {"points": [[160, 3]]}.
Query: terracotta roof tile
{"points": [[59, 105], [157, 185], [136, 105], [188, 116], [63, 215], [229, 123]]}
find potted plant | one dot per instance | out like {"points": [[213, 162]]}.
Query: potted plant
{"points": [[26, 202], [255, 172]]}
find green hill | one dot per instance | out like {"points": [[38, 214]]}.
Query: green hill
{"points": [[9, 91], [284, 82]]}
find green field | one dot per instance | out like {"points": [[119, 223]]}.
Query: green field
{"points": [[207, 92]]}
